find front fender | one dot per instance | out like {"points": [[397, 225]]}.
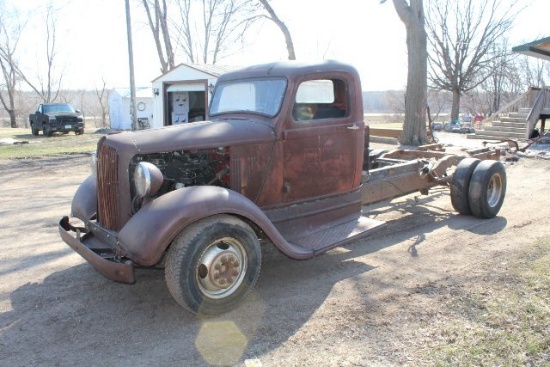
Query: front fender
{"points": [[148, 233], [84, 205]]}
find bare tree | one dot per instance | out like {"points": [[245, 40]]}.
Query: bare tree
{"points": [[48, 86], [411, 14], [462, 34], [184, 30], [9, 39], [204, 30], [101, 94], [501, 75], [157, 15], [534, 70], [282, 26]]}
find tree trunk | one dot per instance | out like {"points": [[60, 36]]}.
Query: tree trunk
{"points": [[414, 127], [13, 121], [455, 109]]}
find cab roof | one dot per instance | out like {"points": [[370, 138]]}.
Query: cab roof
{"points": [[288, 69]]}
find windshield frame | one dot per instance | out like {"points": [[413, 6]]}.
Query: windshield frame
{"points": [[268, 94]]}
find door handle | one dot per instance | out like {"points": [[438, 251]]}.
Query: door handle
{"points": [[354, 127]]}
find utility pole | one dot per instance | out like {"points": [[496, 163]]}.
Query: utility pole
{"points": [[133, 110]]}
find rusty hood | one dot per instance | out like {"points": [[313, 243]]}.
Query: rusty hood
{"points": [[197, 135]]}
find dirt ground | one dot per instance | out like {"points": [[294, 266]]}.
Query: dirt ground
{"points": [[377, 302]]}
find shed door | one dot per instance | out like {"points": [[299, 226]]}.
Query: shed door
{"points": [[186, 103]]}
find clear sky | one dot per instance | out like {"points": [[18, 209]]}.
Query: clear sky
{"points": [[364, 33]]}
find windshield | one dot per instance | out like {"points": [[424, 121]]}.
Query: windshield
{"points": [[257, 96], [58, 108]]}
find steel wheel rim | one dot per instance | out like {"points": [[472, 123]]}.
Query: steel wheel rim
{"points": [[494, 190], [221, 268]]}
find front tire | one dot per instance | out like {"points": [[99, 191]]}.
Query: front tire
{"points": [[47, 131], [212, 264], [487, 189]]}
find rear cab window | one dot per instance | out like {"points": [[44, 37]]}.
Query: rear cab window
{"points": [[321, 99]]}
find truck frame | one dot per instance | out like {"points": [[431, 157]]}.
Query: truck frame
{"points": [[283, 160]]}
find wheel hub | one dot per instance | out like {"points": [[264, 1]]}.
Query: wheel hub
{"points": [[221, 268], [494, 190], [225, 269]]}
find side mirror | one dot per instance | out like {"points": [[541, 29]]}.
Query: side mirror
{"points": [[77, 111]]}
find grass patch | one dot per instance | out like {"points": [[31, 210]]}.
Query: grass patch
{"points": [[503, 319], [40, 146]]}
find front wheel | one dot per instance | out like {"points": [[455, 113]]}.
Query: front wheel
{"points": [[487, 189], [47, 131], [212, 264]]}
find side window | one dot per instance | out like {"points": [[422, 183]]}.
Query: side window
{"points": [[320, 99]]}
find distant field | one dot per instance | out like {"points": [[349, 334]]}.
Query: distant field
{"points": [[39, 146]]}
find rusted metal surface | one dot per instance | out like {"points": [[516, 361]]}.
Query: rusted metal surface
{"points": [[434, 146], [97, 254], [485, 153], [410, 171], [108, 186], [393, 181]]}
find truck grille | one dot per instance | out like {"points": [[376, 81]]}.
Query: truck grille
{"points": [[66, 119], [107, 186]]}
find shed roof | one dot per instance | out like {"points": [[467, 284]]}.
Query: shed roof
{"points": [[141, 92], [539, 48], [213, 70]]}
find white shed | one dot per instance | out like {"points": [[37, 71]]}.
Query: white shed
{"points": [[119, 108], [183, 94]]}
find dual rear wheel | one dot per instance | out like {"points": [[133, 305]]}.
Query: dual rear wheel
{"points": [[478, 188]]}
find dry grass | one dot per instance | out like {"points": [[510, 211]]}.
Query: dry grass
{"points": [[39, 146], [501, 318]]}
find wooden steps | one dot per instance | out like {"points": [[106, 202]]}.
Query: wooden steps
{"points": [[512, 126]]}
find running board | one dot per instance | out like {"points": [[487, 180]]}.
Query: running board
{"points": [[339, 235]]}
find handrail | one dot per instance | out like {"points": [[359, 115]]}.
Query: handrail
{"points": [[509, 105]]}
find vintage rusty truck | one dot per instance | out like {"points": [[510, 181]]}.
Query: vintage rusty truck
{"points": [[283, 160]]}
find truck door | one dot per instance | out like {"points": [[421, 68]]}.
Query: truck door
{"points": [[323, 141]]}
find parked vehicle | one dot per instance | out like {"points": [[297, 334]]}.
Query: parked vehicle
{"points": [[283, 161], [56, 118], [457, 126]]}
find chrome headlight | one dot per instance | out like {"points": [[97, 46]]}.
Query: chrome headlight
{"points": [[147, 179]]}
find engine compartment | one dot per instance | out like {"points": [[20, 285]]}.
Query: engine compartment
{"points": [[186, 168]]}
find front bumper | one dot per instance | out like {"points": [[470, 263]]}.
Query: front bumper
{"points": [[101, 256], [67, 127]]}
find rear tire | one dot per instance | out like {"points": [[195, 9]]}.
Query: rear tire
{"points": [[212, 264], [34, 131], [487, 189], [460, 185]]}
